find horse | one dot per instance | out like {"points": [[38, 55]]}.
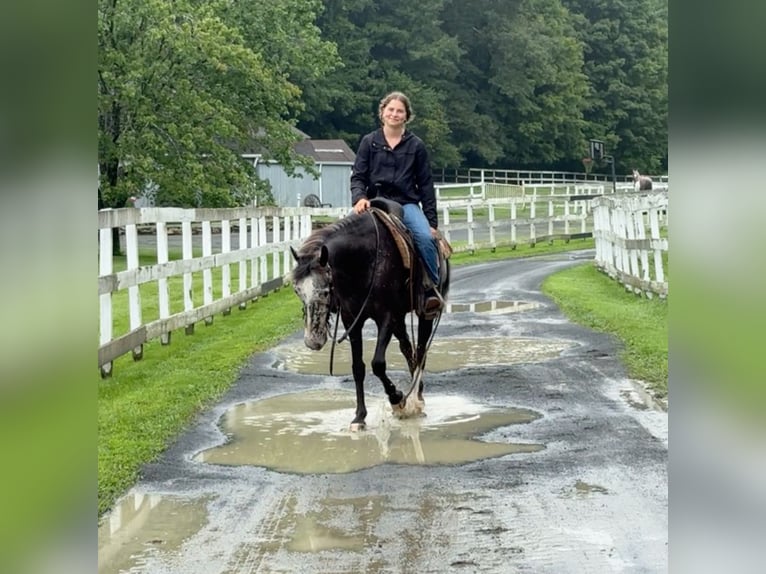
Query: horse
{"points": [[641, 182], [355, 269]]}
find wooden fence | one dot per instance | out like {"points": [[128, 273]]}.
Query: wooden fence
{"points": [[229, 257], [261, 259], [630, 246]]}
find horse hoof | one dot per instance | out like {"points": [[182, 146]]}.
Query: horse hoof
{"points": [[409, 408], [357, 427]]}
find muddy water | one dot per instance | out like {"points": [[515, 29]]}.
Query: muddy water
{"points": [[278, 433], [444, 354], [142, 526]]}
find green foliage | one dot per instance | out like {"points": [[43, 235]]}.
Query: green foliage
{"points": [[536, 66], [502, 84], [185, 87], [626, 48]]}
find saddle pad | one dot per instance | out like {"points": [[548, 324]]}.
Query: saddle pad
{"points": [[399, 233]]}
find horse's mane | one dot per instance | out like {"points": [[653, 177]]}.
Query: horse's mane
{"points": [[319, 237]]}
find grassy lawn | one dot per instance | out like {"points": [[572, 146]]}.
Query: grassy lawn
{"points": [[149, 402], [146, 403], [590, 298]]}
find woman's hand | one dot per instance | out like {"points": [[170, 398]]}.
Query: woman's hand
{"points": [[361, 205]]}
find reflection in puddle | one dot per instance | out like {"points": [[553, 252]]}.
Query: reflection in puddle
{"points": [[443, 355], [585, 488], [144, 525], [493, 307], [308, 433], [339, 524]]}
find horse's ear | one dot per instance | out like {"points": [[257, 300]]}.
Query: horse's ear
{"points": [[324, 256], [295, 255]]}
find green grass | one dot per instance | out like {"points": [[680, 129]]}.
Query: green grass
{"points": [[147, 403], [590, 298]]}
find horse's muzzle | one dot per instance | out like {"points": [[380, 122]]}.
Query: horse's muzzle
{"points": [[314, 341]]}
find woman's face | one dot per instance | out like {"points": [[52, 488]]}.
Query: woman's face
{"points": [[394, 114]]}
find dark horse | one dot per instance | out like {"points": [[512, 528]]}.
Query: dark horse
{"points": [[354, 267]]}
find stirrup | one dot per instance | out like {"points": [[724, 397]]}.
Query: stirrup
{"points": [[438, 295], [433, 295]]}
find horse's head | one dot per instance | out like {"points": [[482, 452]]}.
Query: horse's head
{"points": [[636, 175], [312, 282]]}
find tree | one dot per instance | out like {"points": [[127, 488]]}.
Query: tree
{"points": [[385, 47], [536, 66], [184, 88], [626, 61]]}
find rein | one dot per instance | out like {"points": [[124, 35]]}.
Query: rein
{"points": [[335, 340]]}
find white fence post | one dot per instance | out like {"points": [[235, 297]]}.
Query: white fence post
{"points": [[105, 299], [207, 274], [163, 296]]}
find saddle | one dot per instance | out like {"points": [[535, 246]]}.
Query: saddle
{"points": [[390, 213]]}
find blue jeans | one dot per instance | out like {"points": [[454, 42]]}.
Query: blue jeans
{"points": [[415, 220]]}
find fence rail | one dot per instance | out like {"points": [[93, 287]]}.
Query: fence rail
{"points": [[229, 257], [536, 177], [262, 259]]}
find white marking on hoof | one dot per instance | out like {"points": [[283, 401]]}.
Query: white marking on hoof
{"points": [[357, 427], [411, 407]]}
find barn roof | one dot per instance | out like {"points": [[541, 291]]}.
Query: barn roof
{"points": [[326, 151]]}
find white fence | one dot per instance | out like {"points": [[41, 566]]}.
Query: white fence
{"points": [[263, 237], [231, 256], [630, 246]]}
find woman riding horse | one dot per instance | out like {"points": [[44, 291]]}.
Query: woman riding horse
{"points": [[392, 162]]}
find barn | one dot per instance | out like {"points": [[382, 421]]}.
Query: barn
{"points": [[333, 159]]}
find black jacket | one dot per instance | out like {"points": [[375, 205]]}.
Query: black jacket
{"points": [[402, 174]]}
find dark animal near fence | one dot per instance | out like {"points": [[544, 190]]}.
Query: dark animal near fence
{"points": [[354, 267], [641, 182]]}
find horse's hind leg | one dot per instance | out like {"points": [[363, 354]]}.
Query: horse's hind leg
{"points": [[410, 405], [358, 370], [395, 396], [425, 328]]}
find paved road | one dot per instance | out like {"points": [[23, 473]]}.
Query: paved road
{"points": [[586, 491]]}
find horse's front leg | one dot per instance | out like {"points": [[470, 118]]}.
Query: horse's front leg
{"points": [[379, 363], [358, 370]]}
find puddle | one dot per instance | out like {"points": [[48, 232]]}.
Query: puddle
{"points": [[308, 433], [143, 525], [444, 354]]}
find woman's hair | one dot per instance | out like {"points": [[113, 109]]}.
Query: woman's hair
{"points": [[396, 96]]}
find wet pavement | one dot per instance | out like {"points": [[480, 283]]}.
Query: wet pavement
{"points": [[536, 454]]}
